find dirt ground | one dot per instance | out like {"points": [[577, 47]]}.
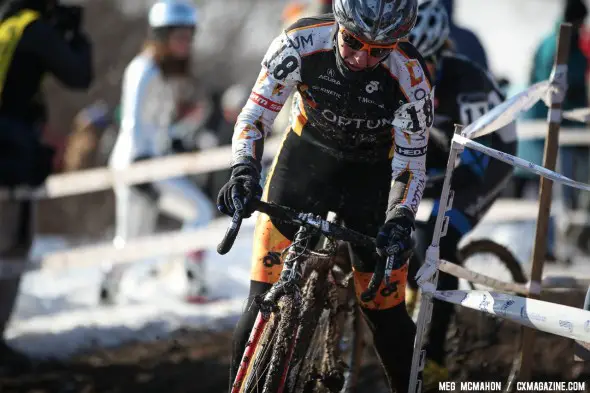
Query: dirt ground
{"points": [[197, 362]]}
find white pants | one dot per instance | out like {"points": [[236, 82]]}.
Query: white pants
{"points": [[137, 214]]}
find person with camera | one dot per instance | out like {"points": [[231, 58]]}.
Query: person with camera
{"points": [[37, 37]]}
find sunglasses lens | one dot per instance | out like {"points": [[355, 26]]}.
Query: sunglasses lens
{"points": [[379, 52], [351, 41]]}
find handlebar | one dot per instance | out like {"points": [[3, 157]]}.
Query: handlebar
{"points": [[383, 267]]}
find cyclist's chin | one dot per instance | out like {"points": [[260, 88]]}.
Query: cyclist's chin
{"points": [[354, 67]]}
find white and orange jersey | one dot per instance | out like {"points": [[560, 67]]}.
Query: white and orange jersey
{"points": [[383, 115]]}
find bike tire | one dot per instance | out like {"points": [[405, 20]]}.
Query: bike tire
{"points": [[256, 372], [487, 246], [314, 334], [312, 306], [509, 261], [271, 357]]}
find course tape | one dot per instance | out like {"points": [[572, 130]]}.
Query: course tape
{"points": [[548, 317], [519, 162]]}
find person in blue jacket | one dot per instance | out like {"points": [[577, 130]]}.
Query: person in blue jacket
{"points": [[570, 158], [466, 42]]}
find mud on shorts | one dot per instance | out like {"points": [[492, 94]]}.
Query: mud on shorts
{"points": [[308, 179]]}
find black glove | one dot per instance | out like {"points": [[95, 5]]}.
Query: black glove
{"points": [[242, 188], [395, 236]]}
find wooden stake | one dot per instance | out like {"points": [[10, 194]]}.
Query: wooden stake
{"points": [[540, 246]]}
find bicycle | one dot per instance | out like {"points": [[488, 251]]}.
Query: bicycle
{"points": [[309, 321]]}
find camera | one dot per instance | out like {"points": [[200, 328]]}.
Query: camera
{"points": [[67, 18]]}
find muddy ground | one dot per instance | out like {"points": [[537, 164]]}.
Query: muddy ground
{"points": [[197, 362]]}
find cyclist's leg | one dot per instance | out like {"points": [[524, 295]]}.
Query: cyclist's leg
{"points": [[183, 199], [136, 215], [365, 192], [299, 178]]}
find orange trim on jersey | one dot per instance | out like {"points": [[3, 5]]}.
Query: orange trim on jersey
{"points": [[300, 120], [311, 27], [404, 54], [387, 296], [409, 184]]}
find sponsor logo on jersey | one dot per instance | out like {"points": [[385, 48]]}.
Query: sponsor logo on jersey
{"points": [[343, 121], [265, 102], [372, 87], [327, 91], [330, 77], [410, 152]]}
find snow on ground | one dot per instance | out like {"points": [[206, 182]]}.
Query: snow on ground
{"points": [[57, 312]]}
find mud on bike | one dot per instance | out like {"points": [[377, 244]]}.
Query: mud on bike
{"points": [[308, 334]]}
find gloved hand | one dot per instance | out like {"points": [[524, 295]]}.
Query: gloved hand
{"points": [[395, 238], [242, 188]]}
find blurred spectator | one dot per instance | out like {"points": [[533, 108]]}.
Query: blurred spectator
{"points": [[466, 42], [38, 37], [157, 121], [297, 9], [532, 150], [82, 148]]}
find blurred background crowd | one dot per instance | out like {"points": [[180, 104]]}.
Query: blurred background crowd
{"points": [[83, 126]]}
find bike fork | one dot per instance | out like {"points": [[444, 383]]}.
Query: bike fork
{"points": [[261, 321], [287, 365]]}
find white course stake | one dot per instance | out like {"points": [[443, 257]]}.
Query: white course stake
{"points": [[427, 276]]}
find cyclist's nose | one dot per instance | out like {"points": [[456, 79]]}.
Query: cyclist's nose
{"points": [[361, 58]]}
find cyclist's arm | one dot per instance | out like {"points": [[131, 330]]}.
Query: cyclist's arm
{"points": [[281, 71], [410, 137]]}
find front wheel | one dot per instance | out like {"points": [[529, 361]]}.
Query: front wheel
{"points": [[268, 367]]}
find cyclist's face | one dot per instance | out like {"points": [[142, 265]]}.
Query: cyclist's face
{"points": [[359, 55], [180, 41]]}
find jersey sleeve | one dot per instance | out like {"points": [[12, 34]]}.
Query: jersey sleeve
{"points": [[280, 73], [138, 127], [411, 125]]}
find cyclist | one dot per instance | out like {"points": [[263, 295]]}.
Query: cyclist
{"points": [[151, 90], [464, 91], [355, 76]]}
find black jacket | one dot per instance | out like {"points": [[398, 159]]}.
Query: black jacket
{"points": [[42, 49]]}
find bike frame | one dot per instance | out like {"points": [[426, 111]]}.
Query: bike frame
{"points": [[292, 272]]}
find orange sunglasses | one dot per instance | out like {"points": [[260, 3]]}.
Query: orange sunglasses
{"points": [[374, 50]]}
